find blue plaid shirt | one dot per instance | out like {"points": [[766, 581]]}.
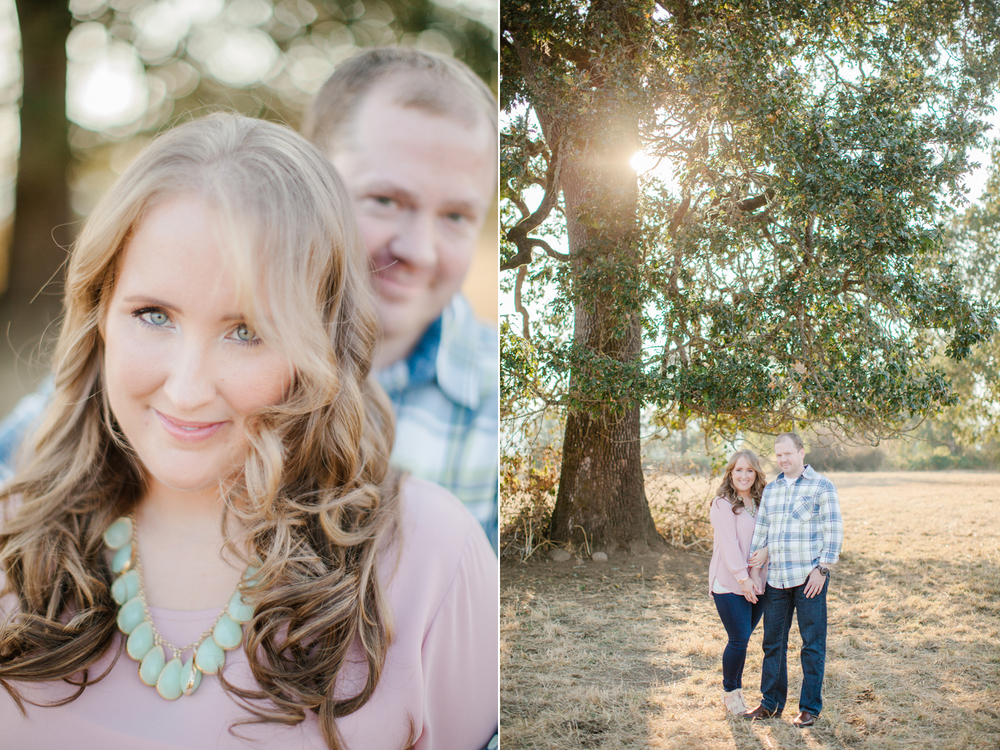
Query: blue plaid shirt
{"points": [[446, 396], [16, 425], [799, 522]]}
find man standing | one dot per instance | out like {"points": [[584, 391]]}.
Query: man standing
{"points": [[414, 136], [800, 531]]}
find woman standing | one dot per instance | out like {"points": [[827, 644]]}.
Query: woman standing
{"points": [[735, 587]]}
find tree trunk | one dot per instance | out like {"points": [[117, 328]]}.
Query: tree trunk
{"points": [[601, 501], [41, 221]]}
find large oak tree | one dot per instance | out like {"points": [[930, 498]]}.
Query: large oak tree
{"points": [[789, 272]]}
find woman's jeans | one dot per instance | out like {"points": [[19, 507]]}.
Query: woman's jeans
{"points": [[780, 606], [739, 617]]}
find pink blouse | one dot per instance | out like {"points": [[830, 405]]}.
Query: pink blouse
{"points": [[441, 671], [731, 548]]}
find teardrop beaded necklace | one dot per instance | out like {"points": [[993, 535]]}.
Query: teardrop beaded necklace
{"points": [[145, 645]]}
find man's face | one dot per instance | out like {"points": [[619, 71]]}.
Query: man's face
{"points": [[790, 458], [421, 186]]}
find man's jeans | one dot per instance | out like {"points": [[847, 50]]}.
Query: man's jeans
{"points": [[779, 605]]}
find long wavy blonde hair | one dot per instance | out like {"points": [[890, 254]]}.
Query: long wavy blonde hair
{"points": [[728, 490], [316, 492]]}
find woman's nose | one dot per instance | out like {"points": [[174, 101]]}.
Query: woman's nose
{"points": [[191, 382]]}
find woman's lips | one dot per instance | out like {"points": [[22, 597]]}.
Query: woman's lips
{"points": [[188, 432]]}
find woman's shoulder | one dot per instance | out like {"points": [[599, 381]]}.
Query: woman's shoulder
{"points": [[436, 530], [721, 501], [440, 552], [431, 509]]}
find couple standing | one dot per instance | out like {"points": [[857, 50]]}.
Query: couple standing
{"points": [[774, 547]]}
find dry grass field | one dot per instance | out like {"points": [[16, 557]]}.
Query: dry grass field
{"points": [[627, 653]]}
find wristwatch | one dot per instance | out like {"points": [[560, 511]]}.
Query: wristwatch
{"points": [[823, 571]]}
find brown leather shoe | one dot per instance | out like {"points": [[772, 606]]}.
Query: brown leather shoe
{"points": [[761, 713], [804, 719]]}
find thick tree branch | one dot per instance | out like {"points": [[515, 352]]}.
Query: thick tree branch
{"points": [[521, 205], [745, 206], [682, 11], [522, 273], [679, 214], [518, 234], [524, 256], [808, 243], [752, 204], [770, 238]]}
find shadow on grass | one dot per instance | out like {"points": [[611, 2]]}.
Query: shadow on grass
{"points": [[917, 640], [779, 734], [628, 656], [745, 735]]}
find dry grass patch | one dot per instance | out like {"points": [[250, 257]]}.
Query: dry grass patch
{"points": [[627, 654]]}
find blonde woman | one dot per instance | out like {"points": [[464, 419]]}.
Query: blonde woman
{"points": [[206, 545], [736, 588]]}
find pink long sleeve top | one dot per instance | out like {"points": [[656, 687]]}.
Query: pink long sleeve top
{"points": [[733, 533], [441, 671]]}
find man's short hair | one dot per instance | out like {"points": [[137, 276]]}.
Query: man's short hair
{"points": [[794, 437], [433, 83]]}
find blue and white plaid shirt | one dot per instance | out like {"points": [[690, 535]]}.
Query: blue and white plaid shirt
{"points": [[16, 425], [799, 522], [446, 396]]}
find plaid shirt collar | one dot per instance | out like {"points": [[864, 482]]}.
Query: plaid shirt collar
{"points": [[445, 353], [808, 474]]}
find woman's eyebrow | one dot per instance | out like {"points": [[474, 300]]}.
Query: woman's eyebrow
{"points": [[154, 302]]}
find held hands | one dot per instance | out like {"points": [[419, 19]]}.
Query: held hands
{"points": [[814, 583], [758, 558], [749, 590]]}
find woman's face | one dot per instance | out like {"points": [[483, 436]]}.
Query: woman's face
{"points": [[743, 475], [181, 367]]}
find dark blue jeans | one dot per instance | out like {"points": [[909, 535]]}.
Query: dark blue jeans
{"points": [[779, 606], [739, 617]]}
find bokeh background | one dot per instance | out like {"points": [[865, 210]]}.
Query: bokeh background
{"points": [[85, 84]]}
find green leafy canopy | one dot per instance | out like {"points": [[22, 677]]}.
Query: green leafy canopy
{"points": [[792, 267]]}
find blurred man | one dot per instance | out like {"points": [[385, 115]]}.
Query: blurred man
{"points": [[415, 138]]}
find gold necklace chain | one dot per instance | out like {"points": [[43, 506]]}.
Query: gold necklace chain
{"points": [[157, 638]]}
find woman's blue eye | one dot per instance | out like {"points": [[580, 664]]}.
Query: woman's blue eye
{"points": [[245, 334], [152, 317]]}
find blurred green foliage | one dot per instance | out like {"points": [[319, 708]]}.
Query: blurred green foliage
{"points": [[258, 57]]}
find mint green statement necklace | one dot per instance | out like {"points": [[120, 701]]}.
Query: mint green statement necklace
{"points": [[176, 677]]}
